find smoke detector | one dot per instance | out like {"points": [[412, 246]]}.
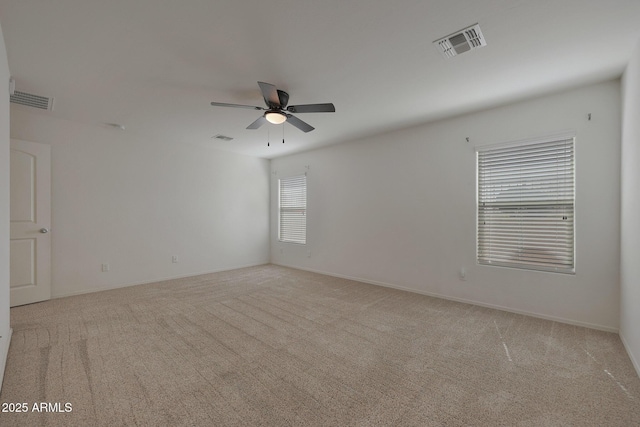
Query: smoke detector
{"points": [[116, 126], [461, 41], [31, 100], [222, 137]]}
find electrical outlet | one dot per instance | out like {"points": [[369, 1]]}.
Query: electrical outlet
{"points": [[463, 274], [105, 268], [174, 259]]}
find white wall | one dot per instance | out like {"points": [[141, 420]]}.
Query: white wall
{"points": [[4, 206], [630, 215], [399, 209], [133, 202]]}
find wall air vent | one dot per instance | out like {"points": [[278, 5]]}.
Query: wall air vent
{"points": [[222, 137], [31, 100], [461, 41]]}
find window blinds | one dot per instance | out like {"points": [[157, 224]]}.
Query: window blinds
{"points": [[293, 209], [526, 201]]}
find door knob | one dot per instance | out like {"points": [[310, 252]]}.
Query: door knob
{"points": [[44, 230]]}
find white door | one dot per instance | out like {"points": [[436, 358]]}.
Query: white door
{"points": [[30, 247]]}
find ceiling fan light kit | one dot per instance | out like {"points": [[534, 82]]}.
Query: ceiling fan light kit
{"points": [[277, 111], [275, 117]]}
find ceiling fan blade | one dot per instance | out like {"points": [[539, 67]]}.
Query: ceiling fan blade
{"points": [[223, 104], [259, 122], [270, 94], [312, 108], [303, 126]]}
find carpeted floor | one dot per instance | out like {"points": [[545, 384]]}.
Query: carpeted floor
{"points": [[271, 346]]}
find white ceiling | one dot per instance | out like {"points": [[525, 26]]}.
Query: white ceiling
{"points": [[154, 66]]}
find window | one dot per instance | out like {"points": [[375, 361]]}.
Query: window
{"points": [[526, 202], [293, 210]]}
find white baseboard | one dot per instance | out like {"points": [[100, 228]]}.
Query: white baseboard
{"points": [[634, 361], [5, 342], [462, 300], [161, 279]]}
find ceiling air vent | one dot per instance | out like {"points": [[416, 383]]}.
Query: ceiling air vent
{"points": [[222, 137], [461, 41], [31, 100]]}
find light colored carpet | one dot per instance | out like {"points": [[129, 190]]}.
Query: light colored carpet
{"points": [[272, 346]]}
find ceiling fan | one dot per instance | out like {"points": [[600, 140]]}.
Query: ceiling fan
{"points": [[277, 111]]}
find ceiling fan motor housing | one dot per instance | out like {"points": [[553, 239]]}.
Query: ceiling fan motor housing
{"points": [[284, 98]]}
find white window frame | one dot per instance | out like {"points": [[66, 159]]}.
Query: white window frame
{"points": [[292, 201], [525, 204]]}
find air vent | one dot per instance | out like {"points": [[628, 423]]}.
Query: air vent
{"points": [[31, 100], [461, 41], [222, 137]]}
